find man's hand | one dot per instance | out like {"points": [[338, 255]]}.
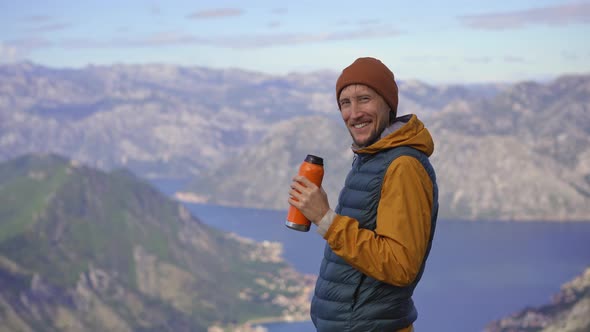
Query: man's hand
{"points": [[308, 198]]}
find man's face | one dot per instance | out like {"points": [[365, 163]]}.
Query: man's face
{"points": [[365, 113]]}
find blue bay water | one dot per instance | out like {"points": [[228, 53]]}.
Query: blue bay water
{"points": [[476, 272]]}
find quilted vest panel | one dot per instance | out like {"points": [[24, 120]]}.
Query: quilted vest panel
{"points": [[346, 299]]}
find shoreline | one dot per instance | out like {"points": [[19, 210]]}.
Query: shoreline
{"points": [[256, 325], [275, 320], [193, 198]]}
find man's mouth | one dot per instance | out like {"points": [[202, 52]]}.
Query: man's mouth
{"points": [[360, 125]]}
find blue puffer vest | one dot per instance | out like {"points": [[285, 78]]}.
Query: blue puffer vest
{"points": [[346, 299]]}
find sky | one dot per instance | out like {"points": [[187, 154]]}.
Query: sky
{"points": [[453, 41]]}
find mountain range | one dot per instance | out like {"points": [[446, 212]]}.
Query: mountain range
{"points": [[503, 151], [523, 154], [86, 250], [567, 312]]}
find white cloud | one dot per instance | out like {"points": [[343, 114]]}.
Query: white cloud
{"points": [[571, 13], [280, 11], [258, 41], [38, 18], [570, 56], [480, 59], [426, 58], [50, 27], [155, 10], [514, 59], [19, 50], [369, 21], [43, 23], [274, 24], [172, 38], [9, 53], [216, 13]]}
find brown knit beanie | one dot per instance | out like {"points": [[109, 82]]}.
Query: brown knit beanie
{"points": [[372, 73]]}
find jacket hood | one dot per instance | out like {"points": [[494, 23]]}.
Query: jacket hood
{"points": [[407, 130]]}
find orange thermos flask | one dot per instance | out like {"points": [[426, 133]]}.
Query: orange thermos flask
{"points": [[313, 169]]}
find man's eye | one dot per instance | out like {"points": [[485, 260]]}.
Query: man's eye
{"points": [[344, 102]]}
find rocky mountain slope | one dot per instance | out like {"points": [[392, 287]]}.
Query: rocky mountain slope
{"points": [[260, 176], [523, 154], [567, 312], [158, 120], [164, 120], [85, 250], [508, 152]]}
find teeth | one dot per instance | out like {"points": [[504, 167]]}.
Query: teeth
{"points": [[360, 125]]}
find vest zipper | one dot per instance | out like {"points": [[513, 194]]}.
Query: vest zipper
{"points": [[354, 301], [356, 292]]}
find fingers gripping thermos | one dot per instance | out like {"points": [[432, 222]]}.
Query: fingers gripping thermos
{"points": [[313, 169]]}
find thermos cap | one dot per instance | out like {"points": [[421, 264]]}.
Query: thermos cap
{"points": [[314, 159]]}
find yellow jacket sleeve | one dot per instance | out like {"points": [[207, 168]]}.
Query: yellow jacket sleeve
{"points": [[394, 251]]}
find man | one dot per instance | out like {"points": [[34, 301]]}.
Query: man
{"points": [[379, 236]]}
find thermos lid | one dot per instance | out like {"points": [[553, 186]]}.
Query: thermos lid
{"points": [[314, 159]]}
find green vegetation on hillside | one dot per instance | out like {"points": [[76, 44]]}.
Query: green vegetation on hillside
{"points": [[106, 251]]}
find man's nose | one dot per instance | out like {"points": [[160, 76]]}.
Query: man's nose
{"points": [[355, 112]]}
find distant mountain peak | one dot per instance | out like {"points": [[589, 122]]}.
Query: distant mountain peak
{"points": [[169, 121], [568, 311], [109, 251]]}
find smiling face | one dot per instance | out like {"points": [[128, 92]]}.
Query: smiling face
{"points": [[365, 113]]}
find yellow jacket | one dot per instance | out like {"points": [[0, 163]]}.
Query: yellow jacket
{"points": [[394, 251]]}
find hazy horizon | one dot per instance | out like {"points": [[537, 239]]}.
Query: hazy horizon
{"points": [[540, 79], [456, 42]]}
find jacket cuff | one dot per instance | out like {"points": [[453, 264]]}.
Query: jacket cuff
{"points": [[326, 222]]}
